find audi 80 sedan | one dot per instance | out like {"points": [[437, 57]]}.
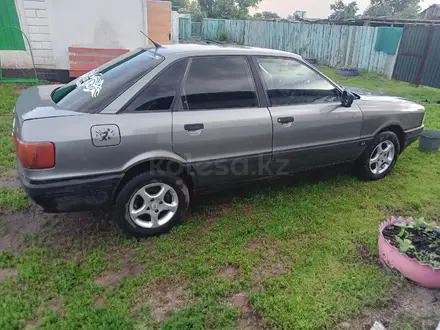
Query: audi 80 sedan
{"points": [[142, 133]]}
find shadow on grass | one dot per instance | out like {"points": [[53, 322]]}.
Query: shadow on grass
{"points": [[86, 230]]}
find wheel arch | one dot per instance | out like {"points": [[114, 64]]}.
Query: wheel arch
{"points": [[160, 163], [396, 129]]}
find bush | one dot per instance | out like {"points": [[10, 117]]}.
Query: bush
{"points": [[222, 36]]}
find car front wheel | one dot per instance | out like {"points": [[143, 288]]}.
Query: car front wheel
{"points": [[379, 157], [151, 204]]}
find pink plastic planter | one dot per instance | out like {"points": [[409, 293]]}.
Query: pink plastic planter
{"points": [[423, 274]]}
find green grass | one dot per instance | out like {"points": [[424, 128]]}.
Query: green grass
{"points": [[309, 226], [14, 198]]}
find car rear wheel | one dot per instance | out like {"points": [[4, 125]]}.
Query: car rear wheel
{"points": [[379, 157], [151, 204]]}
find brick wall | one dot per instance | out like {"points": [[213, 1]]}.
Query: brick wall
{"points": [[36, 16]]}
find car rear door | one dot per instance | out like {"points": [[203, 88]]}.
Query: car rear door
{"points": [[219, 125], [310, 126]]}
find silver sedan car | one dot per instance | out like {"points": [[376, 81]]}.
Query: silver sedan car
{"points": [[142, 134]]}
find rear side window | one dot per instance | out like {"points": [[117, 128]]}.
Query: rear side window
{"points": [[219, 83], [160, 93], [96, 89]]}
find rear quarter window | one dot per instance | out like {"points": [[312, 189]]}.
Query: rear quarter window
{"points": [[93, 91]]}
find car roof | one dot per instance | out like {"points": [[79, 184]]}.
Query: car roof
{"points": [[219, 49]]}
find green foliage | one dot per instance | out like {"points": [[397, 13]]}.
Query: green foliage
{"points": [[180, 3], [341, 11], [393, 8], [13, 198], [270, 15], [404, 244], [222, 36], [197, 14], [235, 9], [423, 229], [311, 273]]}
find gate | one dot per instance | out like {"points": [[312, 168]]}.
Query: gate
{"points": [[416, 60]]}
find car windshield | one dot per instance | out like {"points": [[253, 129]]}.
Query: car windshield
{"points": [[96, 89]]}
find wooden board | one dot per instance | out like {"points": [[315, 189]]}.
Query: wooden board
{"points": [[82, 60], [159, 21]]}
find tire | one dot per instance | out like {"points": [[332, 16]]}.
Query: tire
{"points": [[372, 172], [133, 197]]}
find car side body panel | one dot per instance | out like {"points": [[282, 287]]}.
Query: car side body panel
{"points": [[79, 153], [320, 134], [381, 112]]}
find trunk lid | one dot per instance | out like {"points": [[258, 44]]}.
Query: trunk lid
{"points": [[36, 103]]}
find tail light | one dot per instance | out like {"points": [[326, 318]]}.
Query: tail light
{"points": [[35, 155]]}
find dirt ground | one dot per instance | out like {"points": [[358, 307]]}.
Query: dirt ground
{"points": [[412, 305]]}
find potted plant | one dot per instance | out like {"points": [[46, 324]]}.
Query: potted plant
{"points": [[348, 71], [413, 248]]}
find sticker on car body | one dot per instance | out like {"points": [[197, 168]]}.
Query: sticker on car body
{"points": [[105, 135], [91, 82]]}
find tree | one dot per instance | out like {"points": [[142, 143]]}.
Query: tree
{"points": [[393, 8], [179, 3], [258, 16], [196, 12], [342, 11], [270, 15], [238, 9]]}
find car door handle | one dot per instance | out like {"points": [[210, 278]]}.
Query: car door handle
{"points": [[193, 127], [285, 120]]}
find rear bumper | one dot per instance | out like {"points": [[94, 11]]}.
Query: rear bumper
{"points": [[73, 195], [411, 136]]}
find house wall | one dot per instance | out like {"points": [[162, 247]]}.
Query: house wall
{"points": [[54, 25], [175, 27], [97, 23], [34, 22]]}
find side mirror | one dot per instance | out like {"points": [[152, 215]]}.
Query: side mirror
{"points": [[347, 99]]}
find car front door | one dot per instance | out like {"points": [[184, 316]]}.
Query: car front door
{"points": [[219, 125], [311, 127]]}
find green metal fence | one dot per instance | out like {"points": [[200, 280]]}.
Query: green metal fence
{"points": [[196, 30], [211, 27], [333, 45], [184, 28]]}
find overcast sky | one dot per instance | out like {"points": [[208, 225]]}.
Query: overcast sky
{"points": [[314, 8]]}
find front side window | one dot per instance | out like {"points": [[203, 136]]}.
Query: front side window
{"points": [[289, 82], [219, 83], [160, 93], [96, 89]]}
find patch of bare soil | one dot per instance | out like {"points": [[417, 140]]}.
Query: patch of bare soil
{"points": [[254, 244], [273, 264], [215, 213], [392, 211], [19, 90], [365, 254], [249, 319], [64, 230], [411, 304], [100, 301], [9, 180], [230, 271], [7, 273], [162, 297], [115, 277]]}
